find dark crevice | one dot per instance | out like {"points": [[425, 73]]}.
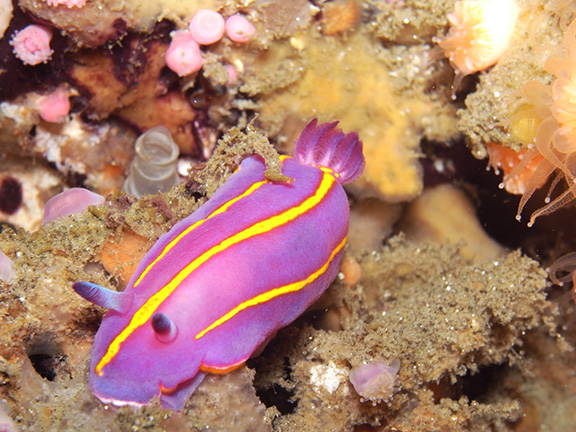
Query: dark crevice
{"points": [[479, 387], [46, 358], [46, 365], [279, 397]]}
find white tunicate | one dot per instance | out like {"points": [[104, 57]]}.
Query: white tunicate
{"points": [[154, 167]]}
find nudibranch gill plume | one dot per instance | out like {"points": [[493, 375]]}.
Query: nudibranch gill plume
{"points": [[222, 281]]}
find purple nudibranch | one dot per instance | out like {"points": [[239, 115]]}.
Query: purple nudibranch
{"points": [[222, 281]]}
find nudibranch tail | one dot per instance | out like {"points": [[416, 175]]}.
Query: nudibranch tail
{"points": [[117, 301], [327, 146]]}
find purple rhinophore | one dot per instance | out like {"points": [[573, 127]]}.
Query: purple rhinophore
{"points": [[327, 146]]}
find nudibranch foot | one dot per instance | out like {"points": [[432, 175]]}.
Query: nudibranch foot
{"points": [[176, 399]]}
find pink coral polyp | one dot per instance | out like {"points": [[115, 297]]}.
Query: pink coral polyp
{"points": [[32, 44], [183, 55], [55, 106], [239, 29], [207, 27], [68, 3]]}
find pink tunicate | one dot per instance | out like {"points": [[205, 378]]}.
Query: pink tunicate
{"points": [[375, 381], [207, 27], [183, 55], [54, 107], [32, 44], [239, 29], [70, 201]]}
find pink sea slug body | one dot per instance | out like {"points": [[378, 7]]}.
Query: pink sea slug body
{"points": [[239, 29], [32, 44], [207, 27], [222, 281], [183, 55]]}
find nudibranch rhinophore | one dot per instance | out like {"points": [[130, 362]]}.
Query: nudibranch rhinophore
{"points": [[222, 281]]}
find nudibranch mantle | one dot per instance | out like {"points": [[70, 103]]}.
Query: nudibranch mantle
{"points": [[222, 281]]}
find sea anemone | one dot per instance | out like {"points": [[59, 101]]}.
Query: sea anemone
{"points": [[183, 55], [480, 33], [239, 29], [54, 107], [32, 44], [553, 109], [207, 27], [563, 271], [505, 159]]}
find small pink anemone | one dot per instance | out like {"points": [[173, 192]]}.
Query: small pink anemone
{"points": [[207, 27], [32, 44], [54, 107], [239, 29], [183, 55]]}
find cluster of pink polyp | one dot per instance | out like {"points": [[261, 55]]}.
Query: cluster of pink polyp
{"points": [[206, 27]]}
